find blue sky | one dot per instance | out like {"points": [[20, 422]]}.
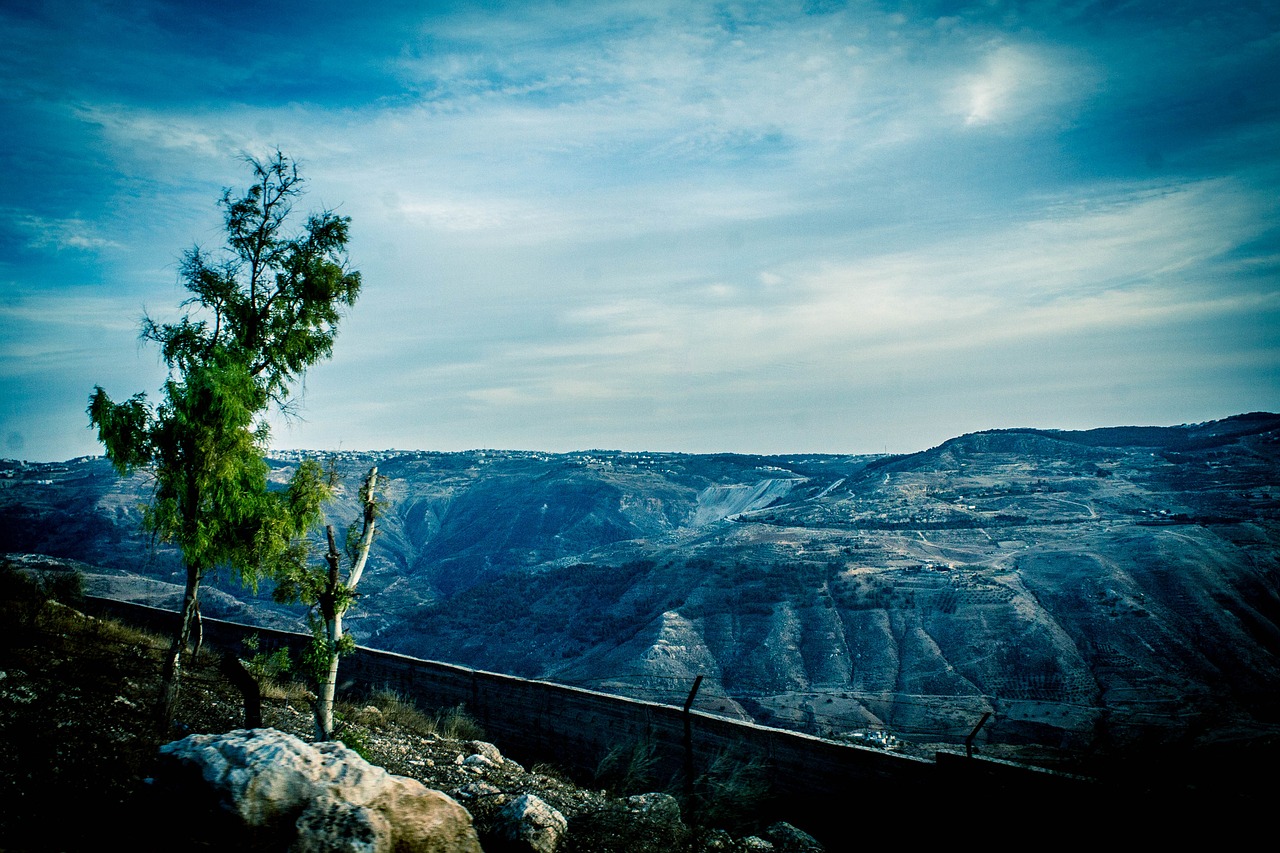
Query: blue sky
{"points": [[755, 227]]}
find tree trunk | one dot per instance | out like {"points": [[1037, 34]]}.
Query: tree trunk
{"points": [[334, 601], [330, 686], [172, 676], [332, 630], [249, 689]]}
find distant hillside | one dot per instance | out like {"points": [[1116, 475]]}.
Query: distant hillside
{"points": [[1088, 589]]}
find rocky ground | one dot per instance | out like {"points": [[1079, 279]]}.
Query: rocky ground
{"points": [[77, 750]]}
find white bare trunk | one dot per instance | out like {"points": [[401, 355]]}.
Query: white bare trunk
{"points": [[329, 687], [338, 592]]}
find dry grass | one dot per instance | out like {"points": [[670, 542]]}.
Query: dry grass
{"points": [[396, 709], [629, 767], [455, 723]]}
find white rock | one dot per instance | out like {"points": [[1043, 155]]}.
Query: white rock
{"points": [[334, 799], [488, 750], [530, 820]]}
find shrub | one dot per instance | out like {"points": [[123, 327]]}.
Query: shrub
{"points": [[354, 739], [629, 767], [456, 723], [399, 710], [552, 771], [26, 591], [264, 665], [730, 792]]}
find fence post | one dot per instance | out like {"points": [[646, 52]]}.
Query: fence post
{"points": [[968, 742], [688, 741]]}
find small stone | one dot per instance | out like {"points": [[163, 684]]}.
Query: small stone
{"points": [[488, 750], [472, 790]]}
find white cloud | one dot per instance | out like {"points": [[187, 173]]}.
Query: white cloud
{"points": [[464, 214], [1020, 82], [1114, 266], [67, 313], [74, 233], [148, 132]]}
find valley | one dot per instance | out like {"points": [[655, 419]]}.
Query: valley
{"points": [[1093, 592]]}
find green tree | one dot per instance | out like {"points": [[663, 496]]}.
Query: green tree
{"points": [[326, 590], [261, 312]]}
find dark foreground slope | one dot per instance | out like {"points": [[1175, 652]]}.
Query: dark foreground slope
{"points": [[78, 756], [1093, 592], [79, 753]]}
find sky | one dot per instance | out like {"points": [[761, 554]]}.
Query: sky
{"points": [[771, 227]]}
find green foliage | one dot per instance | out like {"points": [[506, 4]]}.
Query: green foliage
{"points": [[260, 313], [205, 447], [20, 595], [352, 737], [264, 665], [314, 585], [28, 592], [326, 591], [65, 586], [273, 301], [124, 428], [316, 654]]}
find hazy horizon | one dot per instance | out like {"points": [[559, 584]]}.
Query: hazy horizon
{"points": [[321, 452], [773, 227]]}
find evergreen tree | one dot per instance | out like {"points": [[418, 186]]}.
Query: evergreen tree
{"points": [[261, 312]]}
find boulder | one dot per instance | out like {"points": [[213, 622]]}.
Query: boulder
{"points": [[788, 839], [330, 823], [655, 807], [321, 797], [650, 822], [755, 844], [714, 841], [528, 823]]}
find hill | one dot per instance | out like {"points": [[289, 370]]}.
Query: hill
{"points": [[1093, 591]]}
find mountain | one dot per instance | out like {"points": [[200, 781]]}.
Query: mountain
{"points": [[1090, 590]]}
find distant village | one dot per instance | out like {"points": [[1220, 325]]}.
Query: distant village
{"points": [[14, 471], [600, 458]]}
